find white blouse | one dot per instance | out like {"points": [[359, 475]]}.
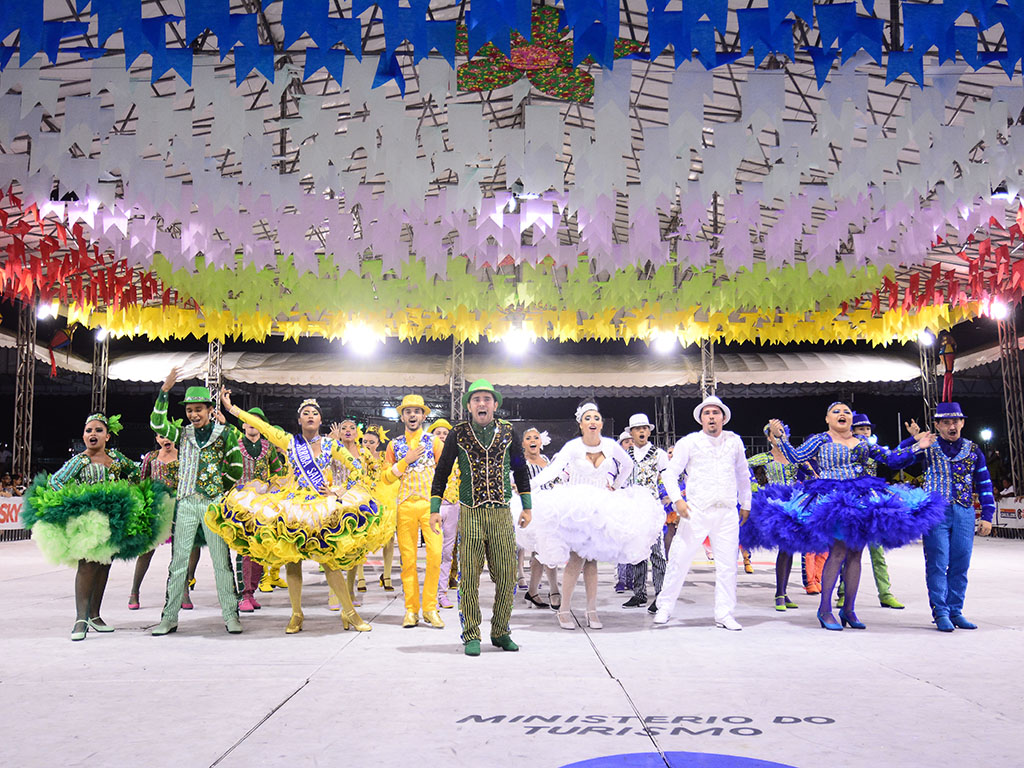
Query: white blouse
{"points": [[572, 466]]}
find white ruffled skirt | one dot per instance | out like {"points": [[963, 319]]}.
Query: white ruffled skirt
{"points": [[617, 526]]}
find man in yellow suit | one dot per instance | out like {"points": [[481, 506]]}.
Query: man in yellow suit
{"points": [[410, 460]]}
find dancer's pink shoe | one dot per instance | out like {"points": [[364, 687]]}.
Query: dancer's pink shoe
{"points": [[246, 606]]}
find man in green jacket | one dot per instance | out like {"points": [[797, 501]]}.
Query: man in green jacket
{"points": [[209, 463], [487, 450]]}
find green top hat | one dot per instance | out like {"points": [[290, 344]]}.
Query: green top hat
{"points": [[480, 385], [197, 395]]}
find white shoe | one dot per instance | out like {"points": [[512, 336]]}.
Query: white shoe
{"points": [[728, 623], [660, 618]]}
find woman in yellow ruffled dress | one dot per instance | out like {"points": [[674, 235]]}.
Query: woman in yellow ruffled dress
{"points": [[304, 515], [385, 493]]}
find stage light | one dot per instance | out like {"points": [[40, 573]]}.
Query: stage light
{"points": [[986, 434], [998, 310], [361, 339], [517, 340], [664, 342], [46, 311], [926, 338], [389, 412], [101, 334]]}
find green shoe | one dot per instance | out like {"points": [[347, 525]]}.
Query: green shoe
{"points": [[233, 626], [164, 628], [505, 643], [473, 648], [839, 601], [891, 602]]}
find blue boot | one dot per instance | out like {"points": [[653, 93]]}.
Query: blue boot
{"points": [[961, 623], [943, 624]]}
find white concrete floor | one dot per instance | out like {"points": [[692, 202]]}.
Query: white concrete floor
{"points": [[782, 690]]}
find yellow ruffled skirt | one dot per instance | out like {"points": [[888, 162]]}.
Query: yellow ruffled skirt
{"points": [[280, 522]]}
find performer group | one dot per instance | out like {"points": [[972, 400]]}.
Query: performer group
{"points": [[480, 492]]}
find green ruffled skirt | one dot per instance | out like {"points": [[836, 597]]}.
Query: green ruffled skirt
{"points": [[99, 522]]}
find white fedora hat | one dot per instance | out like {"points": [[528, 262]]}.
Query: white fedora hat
{"points": [[712, 400], [639, 420]]}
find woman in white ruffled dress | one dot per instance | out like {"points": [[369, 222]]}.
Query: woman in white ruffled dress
{"points": [[589, 516]]}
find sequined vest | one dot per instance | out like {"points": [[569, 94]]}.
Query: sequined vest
{"points": [[645, 473], [258, 468], [952, 477], [489, 480], [199, 468]]}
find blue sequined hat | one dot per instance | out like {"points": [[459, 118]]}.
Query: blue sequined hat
{"points": [[949, 411], [861, 420]]}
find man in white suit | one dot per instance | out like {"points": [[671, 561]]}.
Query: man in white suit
{"points": [[717, 482]]}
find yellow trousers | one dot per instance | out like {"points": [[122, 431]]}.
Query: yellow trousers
{"points": [[413, 517]]}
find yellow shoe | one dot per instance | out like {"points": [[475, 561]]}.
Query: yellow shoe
{"points": [[333, 603], [411, 619], [266, 585], [433, 618], [295, 625], [278, 582], [354, 620]]}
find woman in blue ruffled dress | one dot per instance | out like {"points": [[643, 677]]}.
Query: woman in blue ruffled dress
{"points": [[844, 509]]}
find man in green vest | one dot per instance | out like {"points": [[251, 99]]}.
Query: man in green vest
{"points": [[209, 463], [488, 451]]}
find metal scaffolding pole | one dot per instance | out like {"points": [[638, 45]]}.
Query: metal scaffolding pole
{"points": [[1013, 395], [929, 383], [24, 390], [100, 371], [457, 382], [708, 383], [214, 370], [665, 419]]}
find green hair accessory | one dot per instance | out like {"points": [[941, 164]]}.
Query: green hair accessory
{"points": [[113, 424]]}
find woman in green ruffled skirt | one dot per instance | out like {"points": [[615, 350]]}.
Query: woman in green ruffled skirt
{"points": [[92, 510]]}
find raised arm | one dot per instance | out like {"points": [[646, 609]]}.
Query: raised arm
{"points": [[277, 437], [159, 422], [808, 449]]}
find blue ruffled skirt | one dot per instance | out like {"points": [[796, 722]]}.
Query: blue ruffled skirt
{"points": [[808, 517]]}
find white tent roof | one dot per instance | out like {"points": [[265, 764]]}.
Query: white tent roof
{"points": [[540, 371], [981, 357], [66, 361]]}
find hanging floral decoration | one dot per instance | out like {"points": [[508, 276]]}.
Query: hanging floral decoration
{"points": [[545, 60]]}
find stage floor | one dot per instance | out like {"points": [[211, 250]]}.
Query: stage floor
{"points": [[782, 691]]}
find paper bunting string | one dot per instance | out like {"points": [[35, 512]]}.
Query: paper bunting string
{"points": [[840, 29]]}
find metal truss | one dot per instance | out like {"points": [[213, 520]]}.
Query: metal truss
{"points": [[665, 418], [708, 383], [24, 389], [929, 384], [1013, 394], [100, 371], [457, 383], [214, 370]]}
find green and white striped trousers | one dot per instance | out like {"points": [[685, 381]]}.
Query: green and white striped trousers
{"points": [[486, 532]]}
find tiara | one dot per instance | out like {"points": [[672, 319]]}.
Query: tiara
{"points": [[310, 402], [587, 406]]}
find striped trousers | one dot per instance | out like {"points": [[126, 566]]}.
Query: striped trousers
{"points": [[486, 532]]}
